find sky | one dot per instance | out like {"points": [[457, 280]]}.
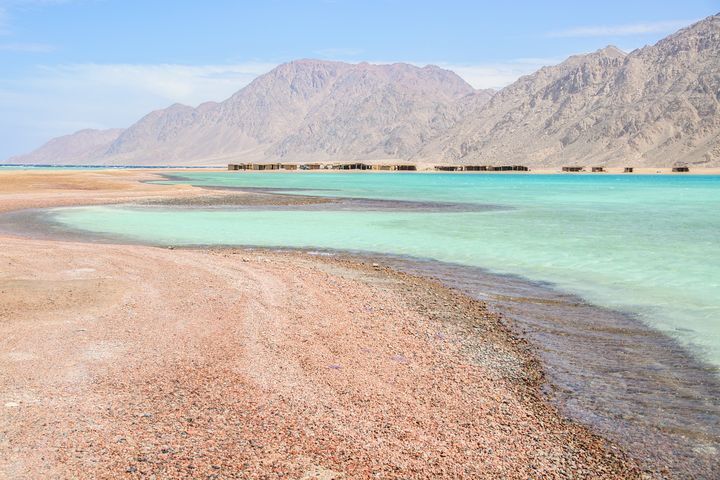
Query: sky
{"points": [[66, 65]]}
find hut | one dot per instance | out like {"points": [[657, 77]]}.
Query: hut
{"points": [[239, 166], [572, 169], [394, 167], [598, 169], [405, 167], [680, 169], [628, 170], [310, 166], [289, 166], [476, 168], [509, 168], [351, 166], [265, 166], [448, 168]]}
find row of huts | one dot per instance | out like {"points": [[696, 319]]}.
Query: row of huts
{"points": [[323, 166], [405, 167], [626, 170], [481, 168]]}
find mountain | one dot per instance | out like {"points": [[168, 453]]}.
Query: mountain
{"points": [[85, 146], [302, 110], [657, 106]]}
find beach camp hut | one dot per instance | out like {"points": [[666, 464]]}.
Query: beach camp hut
{"points": [[448, 168], [572, 169], [628, 170], [289, 166], [310, 166], [476, 168], [394, 167], [351, 166], [598, 169], [405, 167], [265, 166], [680, 169], [239, 166], [509, 168]]}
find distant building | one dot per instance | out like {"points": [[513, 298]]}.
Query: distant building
{"points": [[394, 167], [310, 166], [255, 166], [572, 169], [681, 169], [351, 166]]}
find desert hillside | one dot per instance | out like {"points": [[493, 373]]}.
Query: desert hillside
{"points": [[655, 106]]}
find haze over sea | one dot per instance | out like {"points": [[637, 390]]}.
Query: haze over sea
{"points": [[647, 245]]}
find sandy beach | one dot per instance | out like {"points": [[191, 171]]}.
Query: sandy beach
{"points": [[126, 361]]}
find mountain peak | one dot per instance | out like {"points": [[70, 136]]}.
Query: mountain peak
{"points": [[653, 106], [611, 51]]}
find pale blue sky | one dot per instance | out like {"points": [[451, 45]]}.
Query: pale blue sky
{"points": [[72, 64]]}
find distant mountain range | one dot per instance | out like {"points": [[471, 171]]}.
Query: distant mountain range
{"points": [[656, 106]]}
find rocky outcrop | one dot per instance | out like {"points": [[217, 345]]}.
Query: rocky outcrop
{"points": [[657, 106]]}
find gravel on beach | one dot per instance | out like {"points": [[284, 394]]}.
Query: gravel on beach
{"points": [[124, 361]]}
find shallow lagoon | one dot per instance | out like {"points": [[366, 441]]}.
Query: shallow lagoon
{"points": [[648, 245]]}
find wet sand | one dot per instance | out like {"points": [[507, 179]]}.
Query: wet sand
{"points": [[606, 368], [126, 361]]}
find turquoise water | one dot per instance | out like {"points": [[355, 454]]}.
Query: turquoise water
{"points": [[648, 245]]}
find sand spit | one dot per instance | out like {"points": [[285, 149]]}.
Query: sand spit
{"points": [[131, 361], [20, 189]]}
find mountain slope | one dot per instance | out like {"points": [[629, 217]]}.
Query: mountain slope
{"points": [[84, 146], [306, 109], [656, 106]]}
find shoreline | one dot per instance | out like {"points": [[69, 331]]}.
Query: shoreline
{"points": [[316, 386], [422, 168], [669, 435], [253, 252]]}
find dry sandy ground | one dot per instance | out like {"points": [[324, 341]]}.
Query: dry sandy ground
{"points": [[124, 361], [128, 361], [46, 188]]}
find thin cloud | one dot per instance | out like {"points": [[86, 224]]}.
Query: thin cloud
{"points": [[496, 75], [190, 84], [27, 47], [57, 100], [4, 22], [621, 30]]}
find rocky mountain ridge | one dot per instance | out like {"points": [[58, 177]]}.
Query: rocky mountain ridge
{"points": [[655, 106]]}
